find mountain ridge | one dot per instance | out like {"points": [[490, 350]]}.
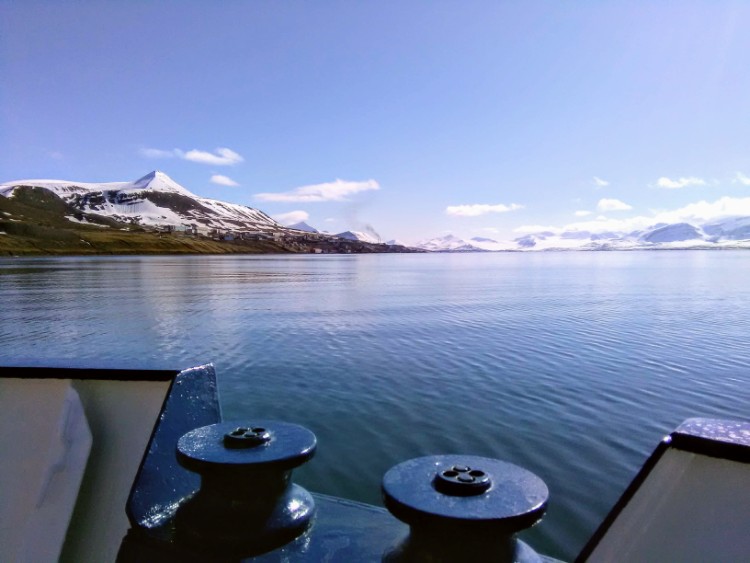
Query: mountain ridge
{"points": [[157, 201], [727, 232], [151, 215], [153, 200]]}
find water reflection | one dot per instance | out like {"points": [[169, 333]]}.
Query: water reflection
{"points": [[570, 364]]}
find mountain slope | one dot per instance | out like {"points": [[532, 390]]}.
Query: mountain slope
{"points": [[673, 233], [152, 215], [153, 200], [302, 226], [359, 236]]}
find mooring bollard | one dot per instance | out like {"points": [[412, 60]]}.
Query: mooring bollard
{"points": [[463, 508], [247, 503]]}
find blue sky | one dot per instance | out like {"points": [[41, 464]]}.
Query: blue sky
{"points": [[416, 118]]}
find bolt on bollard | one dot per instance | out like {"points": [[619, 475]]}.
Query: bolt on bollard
{"points": [[463, 509], [247, 503]]}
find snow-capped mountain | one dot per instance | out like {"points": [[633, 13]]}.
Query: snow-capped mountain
{"points": [[733, 228], [728, 232], [360, 236], [153, 200], [302, 226], [154, 181], [448, 243], [673, 233]]}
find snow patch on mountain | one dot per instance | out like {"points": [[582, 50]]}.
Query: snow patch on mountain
{"points": [[728, 232], [731, 228], [158, 181], [447, 243], [673, 233], [153, 200], [359, 236]]}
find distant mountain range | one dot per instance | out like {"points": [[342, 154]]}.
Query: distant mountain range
{"points": [[728, 232], [155, 200], [153, 214], [449, 243]]}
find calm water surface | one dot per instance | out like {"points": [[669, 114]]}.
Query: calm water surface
{"points": [[573, 365]]}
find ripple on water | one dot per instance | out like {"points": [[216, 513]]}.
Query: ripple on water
{"points": [[573, 365]]}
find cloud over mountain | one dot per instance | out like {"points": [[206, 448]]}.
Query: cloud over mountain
{"points": [[612, 205], [292, 217], [476, 209], [697, 213], [222, 180], [221, 156], [329, 191], [669, 184]]}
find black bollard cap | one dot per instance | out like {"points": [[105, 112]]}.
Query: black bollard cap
{"points": [[262, 444], [465, 491]]}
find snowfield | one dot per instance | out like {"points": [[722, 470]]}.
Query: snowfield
{"points": [[733, 232]]}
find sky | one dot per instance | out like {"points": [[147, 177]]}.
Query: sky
{"points": [[414, 119]]}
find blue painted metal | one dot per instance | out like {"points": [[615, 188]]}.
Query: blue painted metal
{"points": [[161, 483], [724, 431], [454, 518], [727, 439]]}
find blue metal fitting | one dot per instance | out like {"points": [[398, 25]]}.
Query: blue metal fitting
{"points": [[463, 508], [247, 503]]}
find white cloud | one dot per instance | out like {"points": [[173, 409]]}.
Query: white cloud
{"points": [[695, 213], [220, 156], [704, 211], [330, 191], [599, 183], [582, 213], [56, 155], [477, 209], [531, 229], [223, 180], [741, 179], [668, 184], [612, 205], [292, 217]]}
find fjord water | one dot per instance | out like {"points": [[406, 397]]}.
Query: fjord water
{"points": [[573, 365]]}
